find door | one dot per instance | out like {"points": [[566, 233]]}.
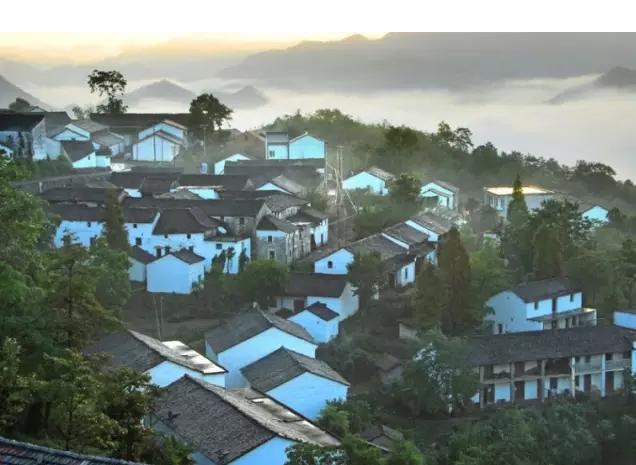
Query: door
{"points": [[609, 382], [587, 383], [519, 391]]}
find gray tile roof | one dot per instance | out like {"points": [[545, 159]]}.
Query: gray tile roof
{"points": [[433, 222], [549, 344], [387, 249], [217, 208], [287, 184], [184, 221], [271, 223], [545, 289], [225, 424], [277, 201], [139, 215], [75, 212], [19, 121], [139, 352], [380, 173], [315, 284], [443, 184], [225, 182], [89, 125], [141, 255], [138, 121], [22, 453], [277, 137], [157, 184], [77, 149], [322, 311], [77, 194], [107, 139], [187, 256], [404, 233], [283, 365], [307, 215], [246, 325]]}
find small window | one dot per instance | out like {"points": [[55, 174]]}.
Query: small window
{"points": [[138, 241], [135, 225], [406, 273], [219, 246], [93, 239], [577, 380], [609, 356], [158, 252], [588, 358], [167, 249], [191, 248], [272, 255], [536, 305], [242, 221], [272, 153], [499, 328], [165, 236], [330, 264], [554, 383], [571, 297], [189, 236], [554, 324], [270, 239], [89, 224]]}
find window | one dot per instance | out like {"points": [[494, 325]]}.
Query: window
{"points": [[299, 304], [272, 255], [135, 225], [191, 248], [406, 273], [272, 153], [577, 380], [627, 355], [536, 305], [89, 224], [499, 328], [219, 246], [189, 236], [270, 239], [330, 264], [93, 239], [138, 241], [588, 358], [554, 324], [167, 249], [554, 383], [165, 236], [571, 297], [242, 221], [158, 252], [609, 356]]}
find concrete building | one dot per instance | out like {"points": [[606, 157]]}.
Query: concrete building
{"points": [[219, 166], [374, 179], [500, 197], [443, 193], [319, 320], [280, 240], [178, 272]]}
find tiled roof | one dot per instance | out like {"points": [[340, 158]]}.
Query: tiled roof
{"points": [[19, 121], [77, 149], [88, 125], [246, 325], [138, 121], [276, 200], [404, 233], [156, 185], [271, 223], [217, 208], [444, 184], [22, 453], [545, 289], [163, 135], [75, 212], [226, 182], [184, 221], [141, 255], [548, 344], [380, 173], [277, 137], [187, 256], [321, 311], [139, 215], [282, 366], [433, 222], [387, 249], [77, 194], [225, 424], [315, 284], [307, 215], [107, 139]]}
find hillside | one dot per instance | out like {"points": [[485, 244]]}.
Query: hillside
{"points": [[9, 92], [618, 78], [162, 90], [425, 60]]}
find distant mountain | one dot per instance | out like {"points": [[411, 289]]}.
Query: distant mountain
{"points": [[617, 78], [160, 90], [9, 92], [428, 60], [247, 97]]}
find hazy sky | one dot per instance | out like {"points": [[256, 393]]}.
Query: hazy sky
{"points": [[80, 46]]}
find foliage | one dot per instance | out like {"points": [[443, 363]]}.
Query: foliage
{"points": [[262, 280], [430, 299], [405, 189], [548, 258], [114, 229], [365, 274], [318, 200], [207, 116], [489, 275], [15, 389], [111, 276], [20, 105], [111, 84]]}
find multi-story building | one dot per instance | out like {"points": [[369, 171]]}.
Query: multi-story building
{"points": [[500, 197]]}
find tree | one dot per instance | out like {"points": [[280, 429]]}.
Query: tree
{"points": [[111, 84], [405, 190], [20, 105], [548, 257], [114, 229], [430, 299], [207, 115], [15, 389], [627, 267], [82, 113], [454, 268], [111, 276], [517, 212], [517, 237], [262, 280], [404, 453], [365, 274], [488, 276]]}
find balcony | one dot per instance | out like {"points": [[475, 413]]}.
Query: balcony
{"points": [[589, 367], [620, 364]]}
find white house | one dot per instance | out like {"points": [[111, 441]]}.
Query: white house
{"points": [[316, 221], [79, 130], [625, 318], [167, 126], [446, 194], [82, 155], [301, 383], [24, 134], [250, 336], [500, 197], [319, 320], [139, 260], [374, 179], [82, 224], [594, 213], [157, 146], [307, 146], [539, 305], [219, 166], [412, 240], [537, 365], [399, 263], [276, 145], [178, 272], [332, 290], [139, 224], [232, 426], [430, 224], [164, 361]]}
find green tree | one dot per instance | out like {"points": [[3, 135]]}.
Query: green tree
{"points": [[517, 212], [15, 389], [489, 275], [517, 237], [114, 225], [548, 256], [404, 453], [262, 280], [365, 274], [405, 190], [430, 298], [454, 268], [111, 84], [20, 105], [627, 267], [207, 116]]}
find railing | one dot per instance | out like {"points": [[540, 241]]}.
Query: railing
{"points": [[619, 364], [581, 367]]}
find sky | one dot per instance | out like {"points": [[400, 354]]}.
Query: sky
{"points": [[89, 46]]}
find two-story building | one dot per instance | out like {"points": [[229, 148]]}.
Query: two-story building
{"points": [[374, 179], [444, 194], [539, 305], [499, 198], [279, 146]]}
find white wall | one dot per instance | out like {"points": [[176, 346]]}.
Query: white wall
{"points": [[137, 271], [142, 231], [510, 311], [339, 260], [168, 372], [81, 232], [72, 133], [255, 348], [219, 166], [273, 452], [53, 148], [406, 275], [307, 146], [89, 161], [445, 197], [321, 233], [277, 152], [322, 331], [432, 235], [364, 180], [155, 149], [625, 319], [596, 213], [172, 130], [204, 192], [272, 187], [169, 274], [308, 394]]}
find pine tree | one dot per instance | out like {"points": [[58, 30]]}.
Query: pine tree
{"points": [[517, 208], [429, 298], [517, 238], [548, 259], [365, 274], [114, 229]]}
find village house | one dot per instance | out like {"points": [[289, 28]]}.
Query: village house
{"points": [[208, 186], [219, 166], [129, 125], [24, 134], [80, 130], [280, 240], [500, 197], [373, 178], [442, 193], [167, 126], [318, 319], [430, 224], [159, 146], [23, 453], [413, 241], [316, 221], [164, 361], [80, 195], [140, 224], [308, 172], [98, 134], [398, 262], [536, 365], [539, 305], [178, 272], [82, 155], [382, 436], [304, 384], [250, 336], [232, 426], [80, 223], [307, 146], [276, 145], [139, 260], [595, 213], [332, 290]]}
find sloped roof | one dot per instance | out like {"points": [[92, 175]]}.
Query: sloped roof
{"points": [[380, 173], [88, 125], [277, 137], [225, 424], [184, 221], [139, 215], [19, 122], [433, 222], [75, 212], [321, 311], [444, 184], [107, 139], [303, 135], [55, 121], [246, 325], [216, 207], [222, 181], [276, 200], [556, 343], [156, 185], [545, 289], [271, 223], [77, 194], [139, 352], [307, 215], [403, 232], [315, 284], [283, 365], [387, 249], [141, 255], [163, 135], [77, 149], [138, 121], [23, 453], [187, 256]]}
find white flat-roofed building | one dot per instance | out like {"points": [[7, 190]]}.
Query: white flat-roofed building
{"points": [[500, 197]]}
